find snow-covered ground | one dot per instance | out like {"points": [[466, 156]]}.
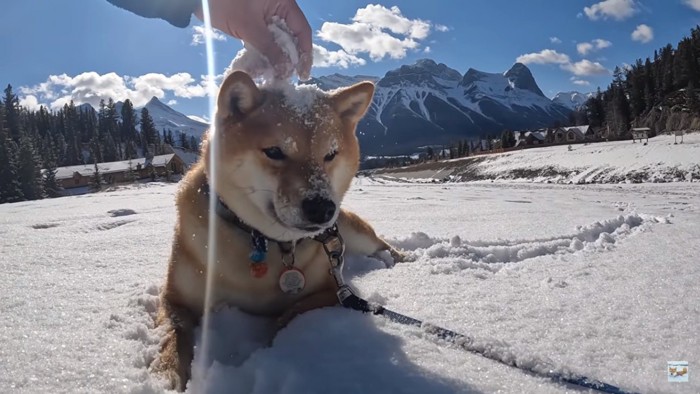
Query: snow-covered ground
{"points": [[604, 162], [601, 280]]}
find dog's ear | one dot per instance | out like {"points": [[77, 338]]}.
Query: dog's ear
{"points": [[352, 103], [238, 96]]}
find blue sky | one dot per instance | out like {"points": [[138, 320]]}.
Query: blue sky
{"points": [[58, 50]]}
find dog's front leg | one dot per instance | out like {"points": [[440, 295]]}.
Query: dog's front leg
{"points": [[360, 237], [175, 359]]}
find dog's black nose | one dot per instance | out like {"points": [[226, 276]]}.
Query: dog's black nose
{"points": [[318, 210]]}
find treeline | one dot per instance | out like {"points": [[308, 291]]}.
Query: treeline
{"points": [[666, 82], [34, 143]]}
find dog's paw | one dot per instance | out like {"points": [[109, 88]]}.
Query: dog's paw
{"points": [[169, 377], [398, 256]]}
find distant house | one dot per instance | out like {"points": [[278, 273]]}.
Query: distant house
{"points": [[573, 134], [530, 138], [72, 177]]}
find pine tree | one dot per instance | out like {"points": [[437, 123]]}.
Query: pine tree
{"points": [[10, 190], [130, 173], [107, 130], [148, 129], [12, 114], [51, 185], [595, 110], [70, 120], [128, 124], [130, 150], [29, 170], [97, 182]]}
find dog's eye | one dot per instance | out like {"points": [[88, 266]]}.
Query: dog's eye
{"points": [[330, 156], [274, 153]]}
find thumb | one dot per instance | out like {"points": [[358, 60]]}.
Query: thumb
{"points": [[300, 29]]}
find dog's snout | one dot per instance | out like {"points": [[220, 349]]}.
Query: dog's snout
{"points": [[318, 210]]}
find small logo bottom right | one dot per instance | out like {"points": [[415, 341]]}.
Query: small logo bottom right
{"points": [[677, 371]]}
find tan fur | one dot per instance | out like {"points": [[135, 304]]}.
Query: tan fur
{"points": [[265, 194]]}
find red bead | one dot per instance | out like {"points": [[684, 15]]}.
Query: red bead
{"points": [[258, 270]]}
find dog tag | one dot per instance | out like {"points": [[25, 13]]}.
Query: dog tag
{"points": [[292, 281]]}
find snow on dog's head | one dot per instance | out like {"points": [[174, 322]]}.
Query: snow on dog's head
{"points": [[286, 154]]}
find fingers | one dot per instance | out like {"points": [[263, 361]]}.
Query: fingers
{"points": [[299, 26], [260, 37]]}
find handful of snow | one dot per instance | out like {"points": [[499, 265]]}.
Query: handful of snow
{"points": [[257, 65]]}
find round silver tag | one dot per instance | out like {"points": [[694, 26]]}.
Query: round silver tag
{"points": [[292, 281]]}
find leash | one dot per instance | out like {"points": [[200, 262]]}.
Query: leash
{"points": [[334, 246]]}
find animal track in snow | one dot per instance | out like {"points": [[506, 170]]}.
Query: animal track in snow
{"points": [[112, 225], [121, 212], [492, 256], [43, 226]]}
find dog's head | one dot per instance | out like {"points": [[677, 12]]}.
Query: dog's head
{"points": [[285, 157]]}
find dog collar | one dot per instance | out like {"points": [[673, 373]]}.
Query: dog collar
{"points": [[292, 280]]}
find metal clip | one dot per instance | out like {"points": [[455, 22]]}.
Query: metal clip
{"points": [[287, 252]]}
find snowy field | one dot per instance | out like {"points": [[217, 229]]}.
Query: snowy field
{"points": [[603, 162], [601, 280]]}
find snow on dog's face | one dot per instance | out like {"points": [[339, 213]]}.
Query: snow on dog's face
{"points": [[287, 154]]}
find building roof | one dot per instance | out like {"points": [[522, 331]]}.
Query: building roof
{"points": [[112, 167]]}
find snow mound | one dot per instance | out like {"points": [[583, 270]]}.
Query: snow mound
{"points": [[450, 255]]}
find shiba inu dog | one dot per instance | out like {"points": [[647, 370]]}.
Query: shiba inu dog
{"points": [[285, 159]]}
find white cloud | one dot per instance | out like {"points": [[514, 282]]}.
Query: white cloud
{"points": [[626, 66], [580, 82], [392, 19], [602, 44], [200, 32], [555, 40], [643, 34], [427, 49], [442, 28], [30, 102], [172, 102], [91, 87], [377, 31], [585, 68], [694, 4], [616, 9], [545, 56], [325, 58], [585, 48]]}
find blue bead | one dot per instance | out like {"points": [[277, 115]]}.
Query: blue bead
{"points": [[257, 256]]}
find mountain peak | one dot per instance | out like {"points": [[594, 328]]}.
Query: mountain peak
{"points": [[522, 78], [423, 71], [154, 101]]}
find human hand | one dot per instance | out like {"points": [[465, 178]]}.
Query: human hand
{"points": [[248, 20]]}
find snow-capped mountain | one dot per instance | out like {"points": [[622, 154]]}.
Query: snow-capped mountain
{"points": [[165, 117], [572, 100], [428, 103], [334, 81]]}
